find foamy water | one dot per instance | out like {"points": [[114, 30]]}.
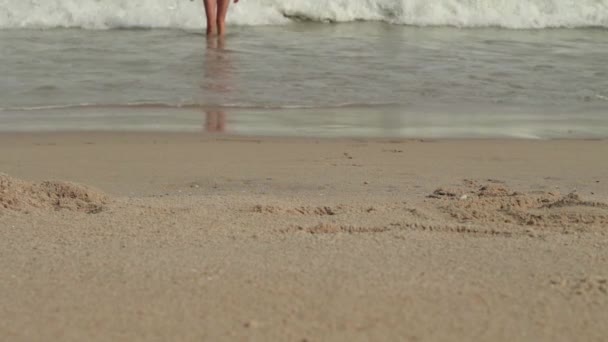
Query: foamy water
{"points": [[187, 14]]}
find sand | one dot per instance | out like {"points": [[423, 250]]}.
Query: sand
{"points": [[183, 237]]}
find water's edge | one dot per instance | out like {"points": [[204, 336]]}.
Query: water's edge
{"points": [[353, 122]]}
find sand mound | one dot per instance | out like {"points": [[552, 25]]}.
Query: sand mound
{"points": [[497, 204], [19, 195]]}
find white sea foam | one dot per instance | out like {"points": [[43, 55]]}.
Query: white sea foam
{"points": [[186, 14]]}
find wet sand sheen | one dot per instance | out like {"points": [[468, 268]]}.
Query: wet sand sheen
{"points": [[183, 237]]}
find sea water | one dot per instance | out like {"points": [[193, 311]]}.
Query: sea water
{"points": [[403, 68]]}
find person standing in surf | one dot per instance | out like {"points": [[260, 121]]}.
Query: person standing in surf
{"points": [[216, 11]]}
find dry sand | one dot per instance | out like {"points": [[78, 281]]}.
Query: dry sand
{"points": [[166, 237]]}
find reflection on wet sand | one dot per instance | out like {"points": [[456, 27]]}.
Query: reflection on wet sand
{"points": [[215, 121], [217, 72]]}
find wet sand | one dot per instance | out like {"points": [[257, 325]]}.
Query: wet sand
{"points": [[110, 236]]}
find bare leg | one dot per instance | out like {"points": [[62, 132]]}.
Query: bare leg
{"points": [[211, 12], [222, 10], [221, 43], [211, 43]]}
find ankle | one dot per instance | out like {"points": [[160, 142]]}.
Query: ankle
{"points": [[221, 28]]}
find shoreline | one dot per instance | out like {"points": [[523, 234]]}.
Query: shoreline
{"points": [[238, 136], [348, 122]]}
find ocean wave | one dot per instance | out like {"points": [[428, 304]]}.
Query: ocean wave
{"points": [[188, 14]]}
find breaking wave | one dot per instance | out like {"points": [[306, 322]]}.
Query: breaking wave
{"points": [[188, 14]]}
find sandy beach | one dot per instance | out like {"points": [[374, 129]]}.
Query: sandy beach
{"points": [[187, 237]]}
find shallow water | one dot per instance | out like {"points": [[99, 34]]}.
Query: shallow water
{"points": [[355, 79]]}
